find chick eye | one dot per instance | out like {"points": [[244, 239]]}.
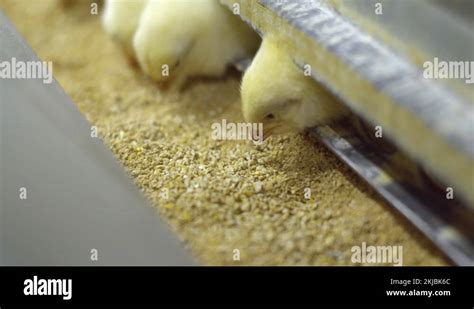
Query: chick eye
{"points": [[270, 117]]}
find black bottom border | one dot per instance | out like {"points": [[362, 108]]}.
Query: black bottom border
{"points": [[239, 285]]}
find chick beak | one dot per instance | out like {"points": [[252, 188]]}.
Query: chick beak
{"points": [[267, 133], [270, 129], [170, 83], [131, 60], [164, 85], [258, 135]]}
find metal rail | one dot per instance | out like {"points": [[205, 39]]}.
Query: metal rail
{"points": [[446, 223]]}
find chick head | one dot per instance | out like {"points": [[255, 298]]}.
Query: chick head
{"points": [[275, 92], [162, 57]]}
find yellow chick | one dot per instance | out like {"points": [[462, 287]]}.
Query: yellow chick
{"points": [[120, 20], [275, 92], [179, 39]]}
